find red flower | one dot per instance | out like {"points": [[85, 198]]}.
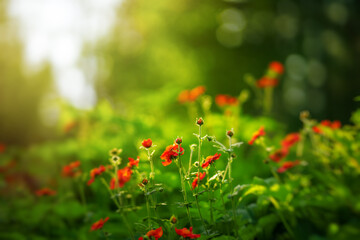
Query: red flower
{"points": [[2, 147], [286, 165], [223, 100], [276, 67], [45, 192], [290, 140], [133, 162], [210, 159], [257, 134], [195, 182], [124, 175], [317, 130], [334, 125], [191, 95], [279, 154], [266, 82], [95, 172], [156, 233], [71, 170], [147, 143], [99, 224], [170, 153], [187, 233]]}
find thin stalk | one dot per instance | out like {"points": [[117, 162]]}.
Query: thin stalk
{"points": [[121, 203], [148, 207], [286, 225], [152, 181], [232, 190], [82, 194], [197, 188], [183, 186]]}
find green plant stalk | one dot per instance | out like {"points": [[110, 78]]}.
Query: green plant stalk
{"points": [[210, 200], [286, 225], [183, 186], [190, 161], [148, 207], [82, 194], [152, 181], [121, 204], [197, 188], [268, 91], [232, 190]]}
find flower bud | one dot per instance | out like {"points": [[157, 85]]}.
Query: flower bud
{"points": [[147, 143], [145, 181], [230, 133], [233, 155], [178, 140], [114, 152], [210, 138], [173, 219], [200, 122], [115, 160]]}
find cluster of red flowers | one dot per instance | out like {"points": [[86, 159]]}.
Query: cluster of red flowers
{"points": [[95, 172], [45, 192], [99, 224], [191, 95], [225, 100], [210, 159], [156, 233], [281, 153], [71, 170], [326, 123], [196, 180], [124, 174], [184, 232], [275, 69], [171, 152], [257, 134]]}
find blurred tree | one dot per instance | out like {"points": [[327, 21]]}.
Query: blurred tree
{"points": [[163, 45], [21, 89]]}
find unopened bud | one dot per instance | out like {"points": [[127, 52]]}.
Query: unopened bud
{"points": [[173, 219], [178, 140], [200, 122], [230, 133], [145, 181]]}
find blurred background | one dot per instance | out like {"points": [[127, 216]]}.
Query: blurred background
{"points": [[138, 55]]}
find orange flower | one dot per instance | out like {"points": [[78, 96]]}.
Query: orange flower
{"points": [[69, 126], [191, 95], [95, 172], [287, 165], [257, 134], [187, 233], [279, 154], [276, 67], [266, 82], [290, 140], [147, 143], [99, 224], [133, 162], [170, 153], [71, 170], [223, 100], [124, 175], [195, 182], [156, 233], [45, 192], [210, 159]]}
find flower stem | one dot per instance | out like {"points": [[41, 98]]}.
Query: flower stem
{"points": [[152, 181], [183, 186], [268, 99], [232, 190], [148, 207]]}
